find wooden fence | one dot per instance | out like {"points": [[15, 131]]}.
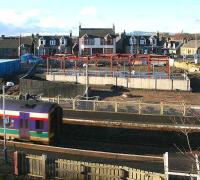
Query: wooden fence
{"points": [[135, 107], [44, 167]]}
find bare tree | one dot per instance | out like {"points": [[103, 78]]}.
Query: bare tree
{"points": [[187, 125]]}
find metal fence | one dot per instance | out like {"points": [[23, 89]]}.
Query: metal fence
{"points": [[45, 167], [121, 74]]}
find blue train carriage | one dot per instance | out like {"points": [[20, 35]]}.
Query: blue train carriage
{"points": [[31, 121]]}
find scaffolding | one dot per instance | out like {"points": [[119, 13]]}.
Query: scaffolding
{"points": [[113, 60]]}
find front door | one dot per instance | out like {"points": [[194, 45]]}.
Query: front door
{"points": [[24, 126]]}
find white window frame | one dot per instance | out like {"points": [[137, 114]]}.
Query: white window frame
{"points": [[153, 40], [142, 41], [63, 41], [134, 40], [42, 41], [52, 42]]}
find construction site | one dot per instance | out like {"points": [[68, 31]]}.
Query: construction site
{"points": [[132, 104]]}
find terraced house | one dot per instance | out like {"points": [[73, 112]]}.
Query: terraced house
{"points": [[142, 44], [50, 45], [191, 48], [97, 41]]}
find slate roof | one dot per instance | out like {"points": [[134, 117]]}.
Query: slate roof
{"points": [[14, 42], [192, 44], [127, 38], [96, 32], [57, 38]]}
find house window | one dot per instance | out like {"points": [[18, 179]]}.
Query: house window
{"points": [[62, 41], [152, 41], [102, 41], [39, 124], [142, 41], [134, 40], [108, 50], [97, 50], [52, 42], [108, 41], [88, 41], [86, 51], [42, 42]]}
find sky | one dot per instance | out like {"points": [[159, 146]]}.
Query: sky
{"points": [[62, 16]]}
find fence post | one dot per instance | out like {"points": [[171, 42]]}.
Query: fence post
{"points": [[94, 105], [116, 106], [84, 170], [161, 108], [58, 99], [184, 109], [125, 173], [74, 107], [166, 165], [20, 163], [197, 166], [44, 170], [139, 107], [16, 163]]}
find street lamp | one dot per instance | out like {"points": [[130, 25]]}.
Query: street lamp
{"points": [[86, 80], [8, 84]]}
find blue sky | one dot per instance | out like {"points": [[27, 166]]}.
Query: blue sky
{"points": [[61, 16]]}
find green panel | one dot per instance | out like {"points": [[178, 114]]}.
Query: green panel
{"points": [[10, 131], [39, 134]]}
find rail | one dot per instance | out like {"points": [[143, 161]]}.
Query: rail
{"points": [[121, 74]]}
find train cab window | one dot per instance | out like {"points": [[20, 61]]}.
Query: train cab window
{"points": [[39, 124]]}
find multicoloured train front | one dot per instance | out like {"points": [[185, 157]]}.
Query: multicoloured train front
{"points": [[31, 121]]}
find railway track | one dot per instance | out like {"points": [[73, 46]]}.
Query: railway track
{"points": [[132, 125], [80, 152]]}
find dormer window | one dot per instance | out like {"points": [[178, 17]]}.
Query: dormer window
{"points": [[142, 41], [52, 42], [42, 41], [107, 40], [63, 41], [152, 41], [132, 41]]}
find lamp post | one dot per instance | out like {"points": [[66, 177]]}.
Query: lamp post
{"points": [[8, 84]]}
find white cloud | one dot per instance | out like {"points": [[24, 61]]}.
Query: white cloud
{"points": [[87, 11], [12, 17]]}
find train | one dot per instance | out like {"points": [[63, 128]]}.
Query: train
{"points": [[31, 120]]}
